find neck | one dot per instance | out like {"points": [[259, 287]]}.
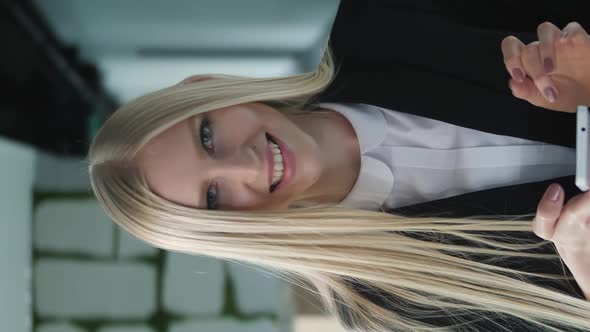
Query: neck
{"points": [[340, 155]]}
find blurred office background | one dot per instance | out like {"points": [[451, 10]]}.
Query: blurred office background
{"points": [[64, 67]]}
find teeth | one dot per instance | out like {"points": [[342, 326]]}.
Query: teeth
{"points": [[278, 163]]}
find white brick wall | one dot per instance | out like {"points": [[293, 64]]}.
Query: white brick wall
{"points": [[193, 285], [61, 174], [130, 247], [94, 289], [125, 328], [258, 290], [59, 327], [16, 181], [119, 286], [224, 325], [77, 225]]}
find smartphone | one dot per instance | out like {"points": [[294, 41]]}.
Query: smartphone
{"points": [[582, 145]]}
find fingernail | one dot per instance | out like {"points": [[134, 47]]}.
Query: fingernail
{"points": [[550, 94], [553, 192], [564, 34], [548, 62], [518, 75]]}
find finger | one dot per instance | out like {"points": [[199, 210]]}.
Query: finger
{"points": [[573, 227], [533, 66], [572, 36], [527, 90], [573, 32], [548, 211], [548, 34], [512, 49]]}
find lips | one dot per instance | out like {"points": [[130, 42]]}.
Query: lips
{"points": [[270, 163], [288, 164]]}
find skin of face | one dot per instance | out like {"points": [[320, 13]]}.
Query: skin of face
{"points": [[178, 168]]}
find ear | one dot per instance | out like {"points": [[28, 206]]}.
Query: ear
{"points": [[194, 78]]}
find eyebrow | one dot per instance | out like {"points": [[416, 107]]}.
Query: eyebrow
{"points": [[194, 127]]}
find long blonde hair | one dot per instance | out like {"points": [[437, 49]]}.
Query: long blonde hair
{"points": [[345, 253]]}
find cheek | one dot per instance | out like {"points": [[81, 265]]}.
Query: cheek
{"points": [[243, 199], [260, 205], [239, 124], [249, 119]]}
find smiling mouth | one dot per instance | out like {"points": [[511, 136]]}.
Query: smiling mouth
{"points": [[278, 165]]}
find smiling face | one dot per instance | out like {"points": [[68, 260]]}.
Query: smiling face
{"points": [[242, 157]]}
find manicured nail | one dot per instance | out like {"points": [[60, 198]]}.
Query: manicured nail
{"points": [[553, 192], [548, 62], [518, 75], [550, 94]]}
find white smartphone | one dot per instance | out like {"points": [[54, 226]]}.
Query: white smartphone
{"points": [[582, 145]]}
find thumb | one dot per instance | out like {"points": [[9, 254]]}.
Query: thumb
{"points": [[548, 212]]}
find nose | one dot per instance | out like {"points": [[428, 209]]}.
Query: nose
{"points": [[243, 165]]}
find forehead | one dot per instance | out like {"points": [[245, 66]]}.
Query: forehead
{"points": [[170, 164]]}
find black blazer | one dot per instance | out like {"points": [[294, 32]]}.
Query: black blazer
{"points": [[415, 57], [442, 60]]}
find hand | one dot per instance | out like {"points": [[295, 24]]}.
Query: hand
{"points": [[553, 72], [568, 227]]}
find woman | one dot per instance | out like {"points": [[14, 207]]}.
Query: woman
{"points": [[210, 167]]}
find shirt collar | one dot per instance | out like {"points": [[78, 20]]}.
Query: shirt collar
{"points": [[368, 122], [375, 180]]}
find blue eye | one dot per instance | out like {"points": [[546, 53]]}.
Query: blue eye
{"points": [[206, 135], [212, 197]]}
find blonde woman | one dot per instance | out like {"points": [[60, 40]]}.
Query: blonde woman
{"points": [[295, 174]]}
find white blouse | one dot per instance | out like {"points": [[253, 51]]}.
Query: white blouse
{"points": [[408, 159]]}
